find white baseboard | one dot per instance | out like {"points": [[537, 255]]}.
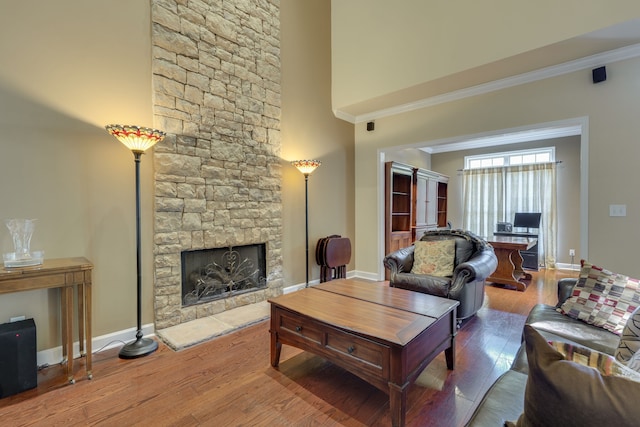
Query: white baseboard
{"points": [[365, 275], [53, 356], [564, 266], [350, 275], [117, 339], [293, 288]]}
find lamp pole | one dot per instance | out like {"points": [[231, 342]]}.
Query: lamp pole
{"points": [[306, 225], [306, 167], [141, 346]]}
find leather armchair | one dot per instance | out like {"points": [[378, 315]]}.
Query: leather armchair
{"points": [[474, 262]]}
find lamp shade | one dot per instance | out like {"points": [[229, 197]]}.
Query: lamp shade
{"points": [[306, 166], [137, 139]]}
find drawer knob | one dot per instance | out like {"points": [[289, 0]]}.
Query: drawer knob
{"points": [[298, 328], [351, 349]]}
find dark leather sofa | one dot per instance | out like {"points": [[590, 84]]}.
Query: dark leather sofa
{"points": [[474, 262], [504, 401]]}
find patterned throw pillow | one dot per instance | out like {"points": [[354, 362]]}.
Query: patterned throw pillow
{"points": [[605, 364], [434, 257], [602, 298], [634, 362], [629, 344]]}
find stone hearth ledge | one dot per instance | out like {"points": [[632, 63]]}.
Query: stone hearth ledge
{"points": [[194, 332]]}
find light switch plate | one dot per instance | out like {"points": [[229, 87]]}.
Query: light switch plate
{"points": [[617, 210]]}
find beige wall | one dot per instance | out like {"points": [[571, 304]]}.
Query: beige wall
{"points": [[68, 68], [612, 151], [86, 63], [310, 131], [568, 186], [410, 156], [381, 47]]}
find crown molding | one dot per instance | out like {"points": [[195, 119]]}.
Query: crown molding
{"points": [[615, 55], [548, 131], [344, 116]]}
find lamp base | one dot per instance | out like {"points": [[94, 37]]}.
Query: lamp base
{"points": [[138, 348]]}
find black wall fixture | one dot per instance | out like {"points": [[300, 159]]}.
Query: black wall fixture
{"points": [[599, 74]]}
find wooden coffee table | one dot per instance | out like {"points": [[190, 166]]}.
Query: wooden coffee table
{"points": [[384, 335]]}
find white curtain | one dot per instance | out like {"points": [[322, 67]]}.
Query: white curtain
{"points": [[493, 195]]}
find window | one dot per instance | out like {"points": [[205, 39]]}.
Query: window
{"points": [[511, 158], [495, 194]]}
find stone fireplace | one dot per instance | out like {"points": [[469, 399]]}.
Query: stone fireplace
{"points": [[216, 85]]}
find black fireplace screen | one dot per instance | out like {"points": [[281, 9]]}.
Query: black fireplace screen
{"points": [[211, 274]]}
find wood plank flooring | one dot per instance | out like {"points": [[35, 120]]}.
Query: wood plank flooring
{"points": [[228, 381]]}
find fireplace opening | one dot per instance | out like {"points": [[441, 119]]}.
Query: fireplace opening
{"points": [[212, 274]]}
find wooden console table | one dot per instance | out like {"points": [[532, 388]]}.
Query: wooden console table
{"points": [[63, 273], [509, 270]]}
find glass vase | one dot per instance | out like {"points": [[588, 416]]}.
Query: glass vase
{"points": [[21, 232]]}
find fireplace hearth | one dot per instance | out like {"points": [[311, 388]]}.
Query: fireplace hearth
{"points": [[218, 273]]}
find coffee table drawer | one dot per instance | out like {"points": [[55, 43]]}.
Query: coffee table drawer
{"points": [[335, 344], [299, 327], [366, 355]]}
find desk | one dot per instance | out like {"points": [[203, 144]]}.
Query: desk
{"points": [[509, 270], [63, 273], [530, 256]]}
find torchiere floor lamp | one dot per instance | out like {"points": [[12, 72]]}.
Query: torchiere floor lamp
{"points": [[137, 139], [306, 167]]}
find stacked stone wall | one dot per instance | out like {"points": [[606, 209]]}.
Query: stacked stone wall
{"points": [[216, 84]]}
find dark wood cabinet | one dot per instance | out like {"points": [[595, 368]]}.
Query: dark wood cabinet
{"points": [[415, 201], [398, 206], [442, 202]]}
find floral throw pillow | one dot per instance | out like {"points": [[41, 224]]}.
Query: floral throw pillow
{"points": [[434, 257], [602, 298]]}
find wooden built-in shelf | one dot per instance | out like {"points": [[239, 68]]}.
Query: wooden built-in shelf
{"points": [[415, 201]]}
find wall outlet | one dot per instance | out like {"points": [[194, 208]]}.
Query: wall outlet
{"points": [[617, 210], [572, 252], [17, 319]]}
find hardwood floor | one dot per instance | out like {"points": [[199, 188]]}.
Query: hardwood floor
{"points": [[229, 381]]}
